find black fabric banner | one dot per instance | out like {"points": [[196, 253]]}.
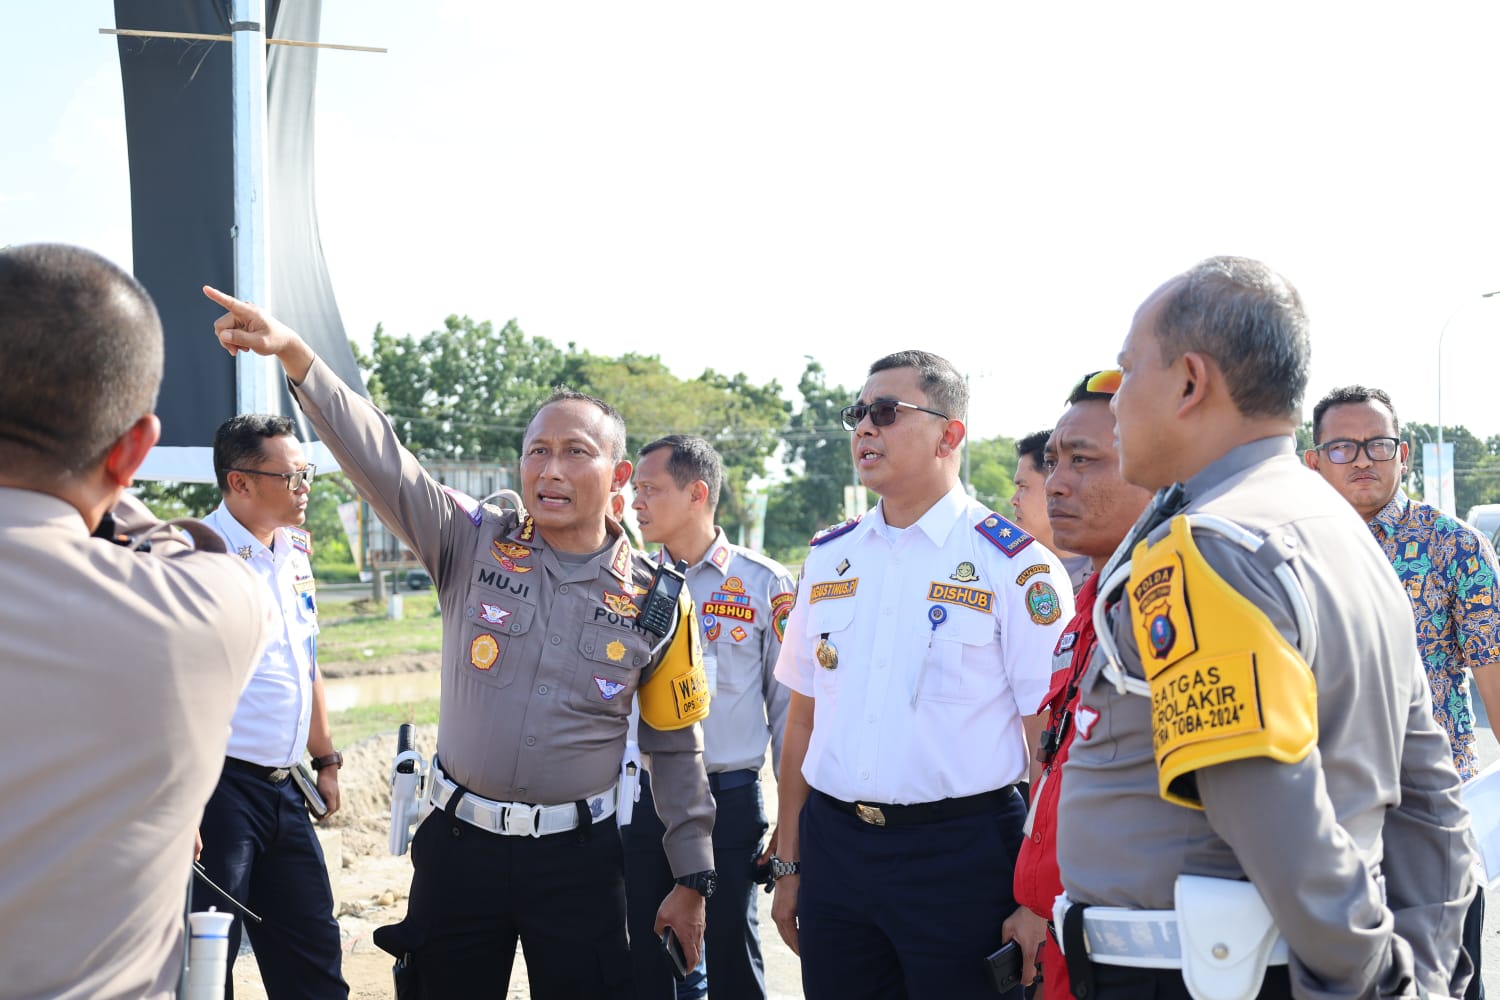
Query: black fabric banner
{"points": [[179, 131]]}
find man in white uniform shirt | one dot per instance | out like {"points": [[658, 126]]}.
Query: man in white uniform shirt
{"points": [[917, 652], [258, 840]]}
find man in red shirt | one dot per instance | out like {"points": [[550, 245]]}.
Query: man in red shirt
{"points": [[1091, 510]]}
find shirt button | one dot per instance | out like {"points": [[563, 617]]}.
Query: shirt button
{"points": [[543, 690], [563, 589], [531, 741], [556, 640], [516, 627], [864, 776], [469, 612], [870, 719]]}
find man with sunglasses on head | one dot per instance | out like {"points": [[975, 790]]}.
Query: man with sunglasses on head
{"points": [[1091, 509], [1447, 568], [258, 839], [917, 651]]}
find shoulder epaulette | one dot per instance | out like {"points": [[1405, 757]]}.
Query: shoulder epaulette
{"points": [[834, 531], [1006, 536], [465, 503], [301, 539]]}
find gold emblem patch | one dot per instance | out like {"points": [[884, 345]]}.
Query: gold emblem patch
{"points": [[615, 651], [620, 605], [484, 651], [964, 573]]}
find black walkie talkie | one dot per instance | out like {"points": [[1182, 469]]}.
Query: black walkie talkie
{"points": [[661, 601]]}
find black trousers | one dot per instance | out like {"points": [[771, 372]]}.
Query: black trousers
{"points": [[473, 893], [736, 970], [259, 845], [895, 912], [1474, 944]]}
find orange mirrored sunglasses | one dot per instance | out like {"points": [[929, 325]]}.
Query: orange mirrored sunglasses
{"points": [[1107, 381]]}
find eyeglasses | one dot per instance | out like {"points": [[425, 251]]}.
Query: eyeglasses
{"points": [[882, 412], [1381, 449], [1107, 381], [294, 480]]}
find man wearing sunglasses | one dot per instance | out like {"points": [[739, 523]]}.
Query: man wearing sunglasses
{"points": [[917, 651], [258, 839], [1254, 736], [1447, 568]]}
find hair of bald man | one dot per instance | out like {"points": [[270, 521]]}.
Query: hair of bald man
{"points": [[82, 353]]}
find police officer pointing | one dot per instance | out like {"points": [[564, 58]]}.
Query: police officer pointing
{"points": [[544, 652]]}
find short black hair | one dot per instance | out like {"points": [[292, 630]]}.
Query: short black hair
{"points": [[241, 440], [81, 357], [1351, 394], [615, 424], [1032, 446], [1251, 321], [944, 387], [692, 459]]}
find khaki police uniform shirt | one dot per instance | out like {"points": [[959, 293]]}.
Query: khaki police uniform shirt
{"points": [[541, 659], [122, 670], [1309, 835], [743, 599]]}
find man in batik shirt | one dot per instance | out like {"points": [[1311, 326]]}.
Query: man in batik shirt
{"points": [[1447, 568]]}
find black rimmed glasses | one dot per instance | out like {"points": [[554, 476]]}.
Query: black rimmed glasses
{"points": [[882, 412], [1381, 449], [294, 480]]}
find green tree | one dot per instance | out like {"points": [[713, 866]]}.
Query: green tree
{"points": [[743, 421], [817, 441], [463, 392], [1476, 473], [992, 470]]}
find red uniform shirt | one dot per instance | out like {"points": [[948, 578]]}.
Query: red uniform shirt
{"points": [[1038, 881]]}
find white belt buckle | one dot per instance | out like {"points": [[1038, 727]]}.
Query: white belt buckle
{"points": [[523, 821]]}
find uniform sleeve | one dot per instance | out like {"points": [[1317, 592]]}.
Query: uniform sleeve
{"points": [[1323, 897], [1476, 605], [1035, 606], [778, 696], [1430, 890], [794, 662], [409, 501], [679, 785]]}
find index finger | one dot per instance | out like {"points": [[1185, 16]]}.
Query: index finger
{"points": [[224, 299]]}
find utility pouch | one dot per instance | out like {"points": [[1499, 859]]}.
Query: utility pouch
{"points": [[1228, 937]]}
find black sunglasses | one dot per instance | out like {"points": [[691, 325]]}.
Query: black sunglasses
{"points": [[294, 480], [882, 413], [1381, 449]]}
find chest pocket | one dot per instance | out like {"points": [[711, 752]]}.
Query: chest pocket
{"points": [[609, 668], [495, 632], [956, 671], [834, 619]]}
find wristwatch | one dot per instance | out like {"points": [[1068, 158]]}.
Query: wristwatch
{"points": [[704, 882], [334, 760], [781, 869]]}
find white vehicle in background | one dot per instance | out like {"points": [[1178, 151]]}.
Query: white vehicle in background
{"points": [[1485, 517]]}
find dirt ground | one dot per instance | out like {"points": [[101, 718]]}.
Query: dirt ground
{"points": [[370, 885]]}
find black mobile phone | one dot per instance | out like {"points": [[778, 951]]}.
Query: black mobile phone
{"points": [[1005, 967], [660, 609], [674, 952]]}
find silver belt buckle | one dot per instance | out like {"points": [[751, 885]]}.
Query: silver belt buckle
{"points": [[521, 821], [870, 814], [279, 775]]}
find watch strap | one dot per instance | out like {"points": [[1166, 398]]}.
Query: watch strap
{"points": [[334, 760]]}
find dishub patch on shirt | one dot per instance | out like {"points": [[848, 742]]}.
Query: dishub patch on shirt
{"points": [[968, 597]]}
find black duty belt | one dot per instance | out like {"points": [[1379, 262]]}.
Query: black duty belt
{"points": [[275, 775], [728, 781], [882, 814]]}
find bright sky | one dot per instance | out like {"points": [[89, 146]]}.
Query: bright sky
{"points": [[738, 186]]}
